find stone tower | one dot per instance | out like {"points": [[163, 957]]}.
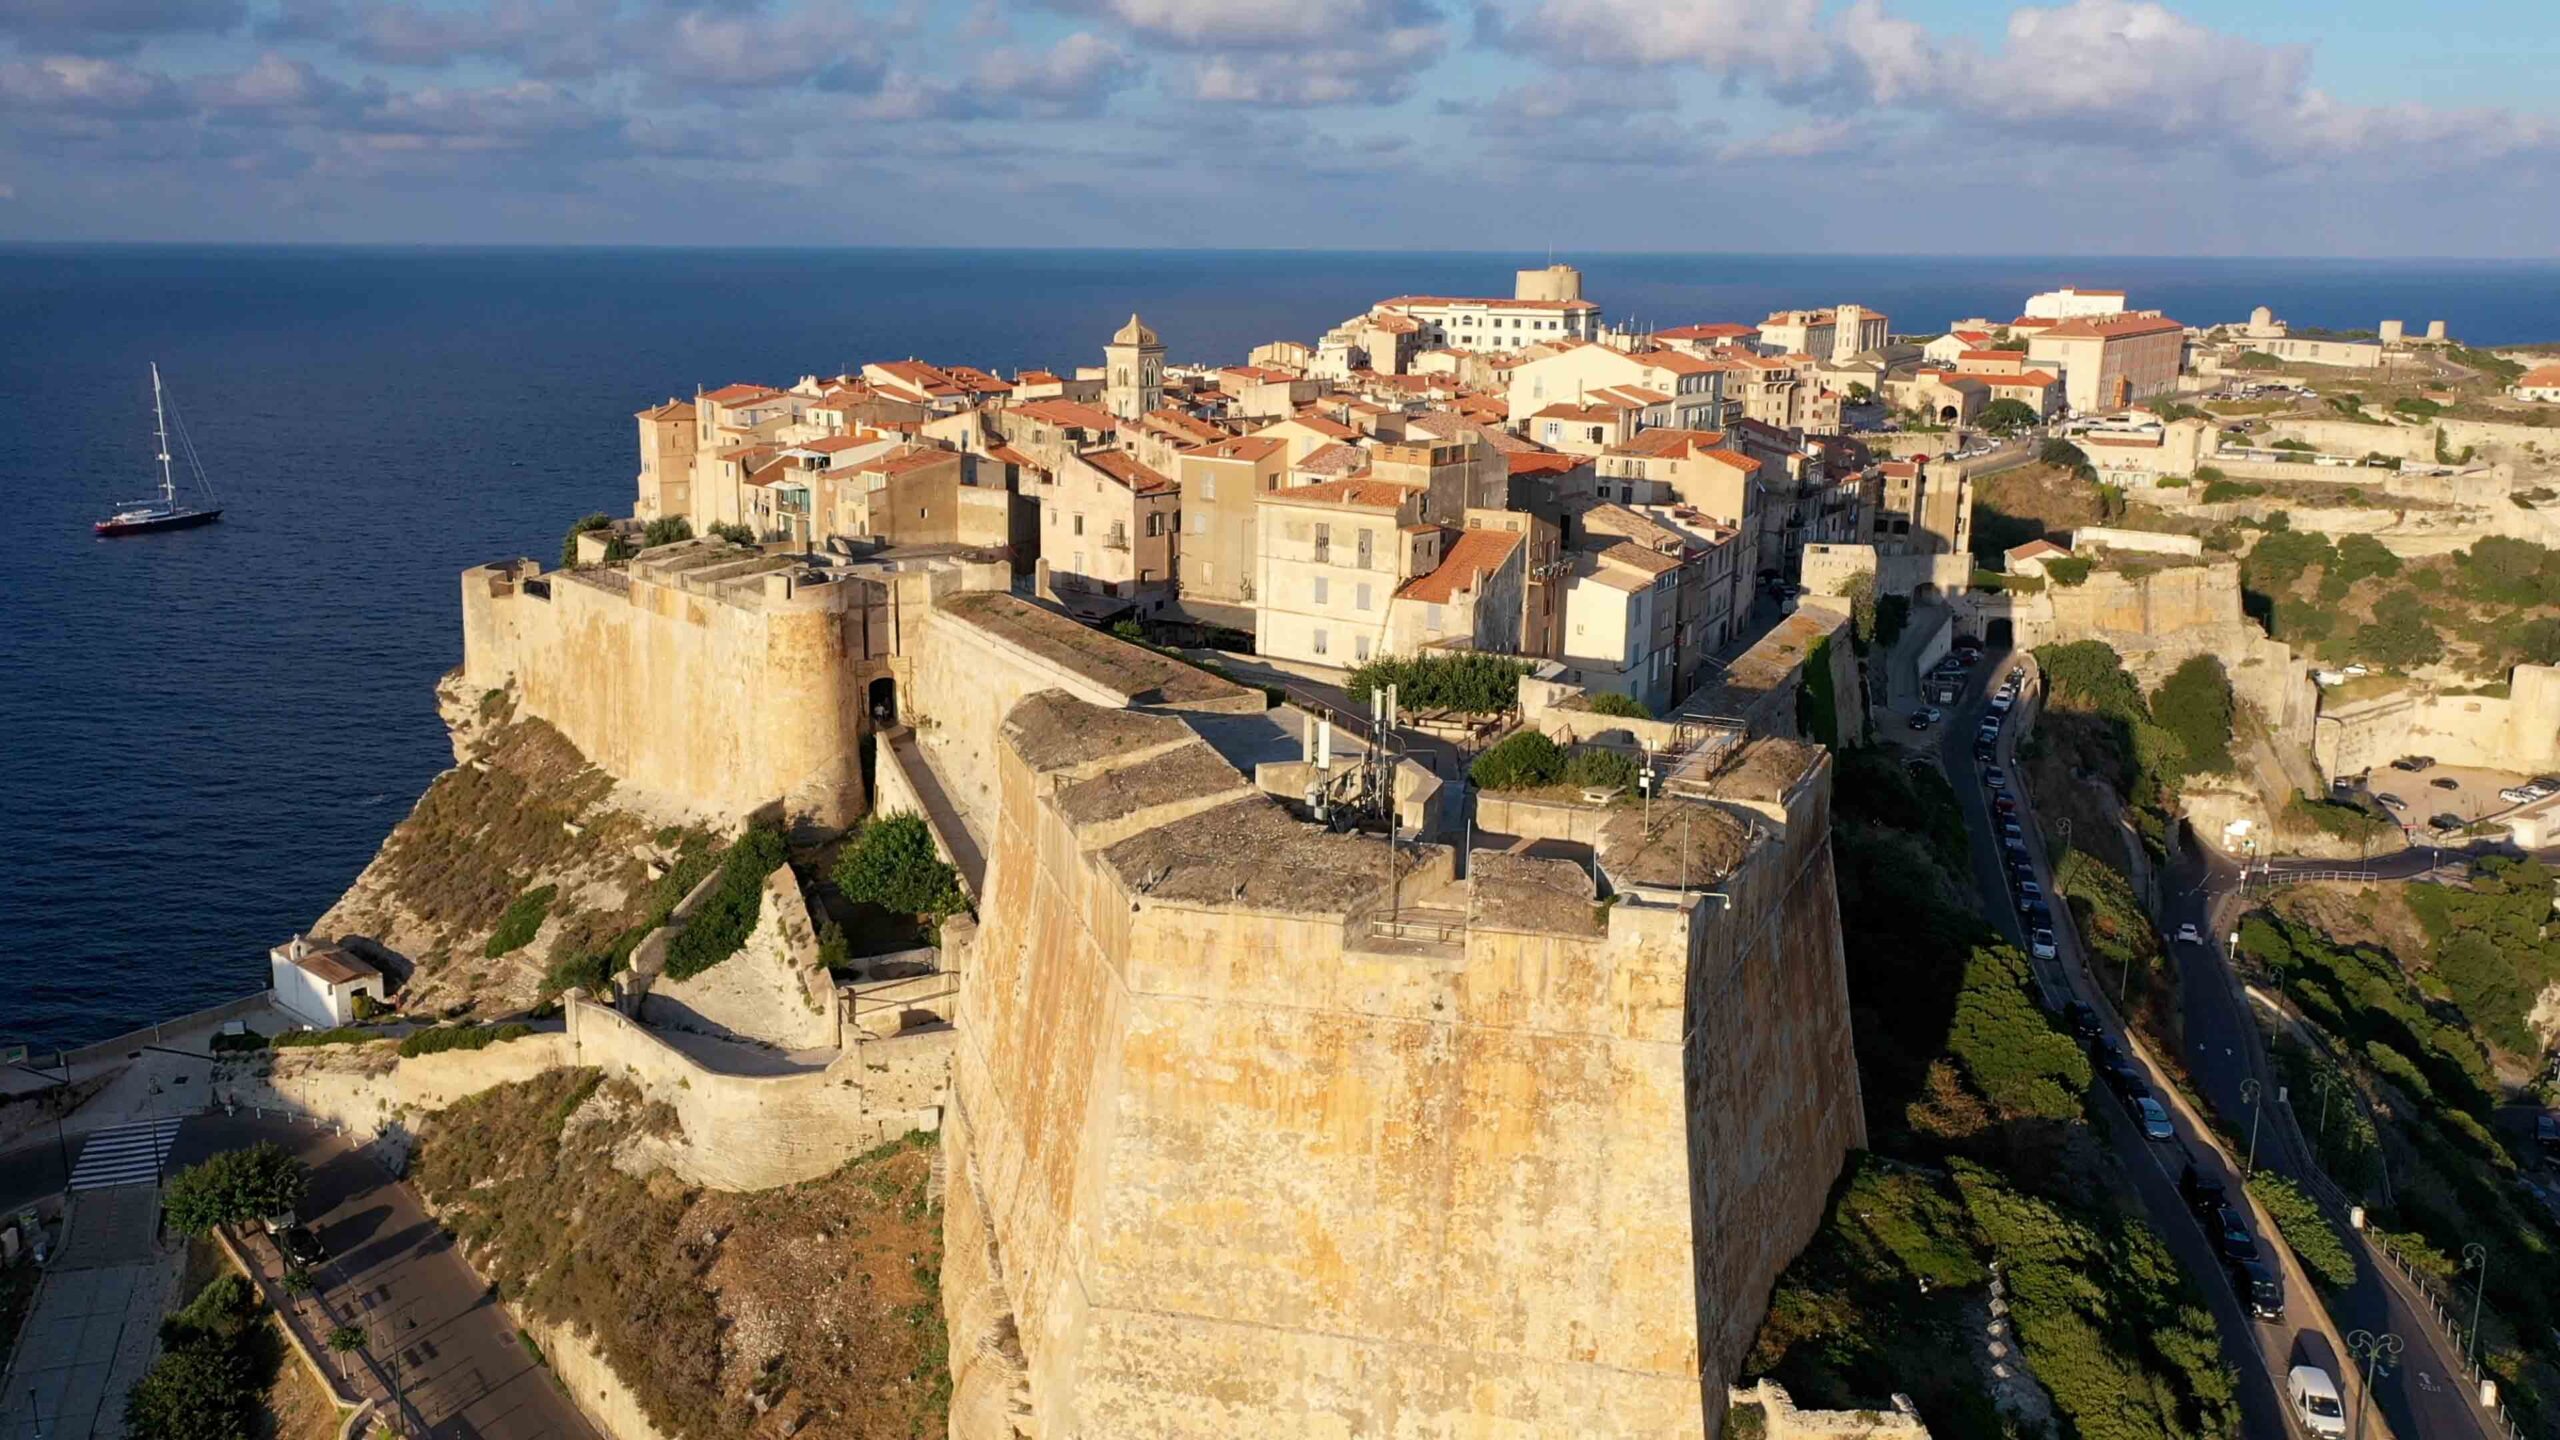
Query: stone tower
{"points": [[1134, 361]]}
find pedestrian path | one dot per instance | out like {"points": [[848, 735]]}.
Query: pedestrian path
{"points": [[125, 1154]]}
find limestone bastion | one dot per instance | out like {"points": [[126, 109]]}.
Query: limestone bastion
{"points": [[1254, 1128]]}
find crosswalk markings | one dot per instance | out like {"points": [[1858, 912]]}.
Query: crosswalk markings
{"points": [[124, 1154]]}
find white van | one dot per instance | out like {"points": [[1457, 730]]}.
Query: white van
{"points": [[2315, 1402]]}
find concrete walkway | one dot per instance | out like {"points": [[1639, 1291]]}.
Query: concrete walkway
{"points": [[96, 1321], [967, 855]]}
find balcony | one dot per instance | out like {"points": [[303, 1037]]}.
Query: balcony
{"points": [[1118, 539]]}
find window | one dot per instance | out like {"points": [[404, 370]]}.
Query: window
{"points": [[1079, 524], [1208, 487], [1365, 538], [1320, 645], [1431, 618], [1199, 523], [1322, 591], [1360, 648], [1324, 543], [1360, 596]]}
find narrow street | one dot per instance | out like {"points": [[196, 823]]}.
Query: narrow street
{"points": [[2260, 1353]]}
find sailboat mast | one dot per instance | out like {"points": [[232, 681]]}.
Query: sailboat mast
{"points": [[160, 421]]}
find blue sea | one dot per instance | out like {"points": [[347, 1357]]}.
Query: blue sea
{"points": [[204, 735]]}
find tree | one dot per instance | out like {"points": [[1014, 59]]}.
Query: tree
{"points": [[346, 1339], [569, 543], [892, 864], [1524, 760], [1859, 394], [234, 1186], [666, 530], [2005, 416], [1626, 707], [2194, 704], [2062, 455], [735, 534], [197, 1391], [1861, 594]]}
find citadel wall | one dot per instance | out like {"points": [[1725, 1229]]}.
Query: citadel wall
{"points": [[702, 673], [2518, 731], [1234, 1157], [2159, 620]]}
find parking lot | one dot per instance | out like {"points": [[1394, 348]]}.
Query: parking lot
{"points": [[2460, 793]]}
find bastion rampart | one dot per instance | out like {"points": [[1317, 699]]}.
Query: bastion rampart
{"points": [[1252, 1135]]}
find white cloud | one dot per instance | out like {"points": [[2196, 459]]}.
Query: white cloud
{"points": [[81, 85], [1782, 39], [1073, 76], [1287, 52], [1808, 141]]}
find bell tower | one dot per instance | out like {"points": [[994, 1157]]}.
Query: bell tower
{"points": [[1133, 366]]}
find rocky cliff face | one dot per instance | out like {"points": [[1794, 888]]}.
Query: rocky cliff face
{"points": [[521, 809]]}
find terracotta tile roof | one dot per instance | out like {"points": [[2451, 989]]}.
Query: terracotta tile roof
{"points": [[1463, 565], [734, 396], [2539, 377], [970, 377], [836, 444], [1070, 414], [1183, 426], [1542, 462], [2034, 550], [1717, 331], [1667, 441], [2114, 327], [1582, 413], [1122, 466], [1367, 494], [1334, 459], [1677, 362], [1260, 373], [1402, 301], [672, 410], [1006, 454], [1242, 447], [1035, 377], [913, 457], [2023, 380], [1320, 424]]}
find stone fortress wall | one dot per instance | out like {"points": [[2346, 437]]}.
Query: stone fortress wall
{"points": [[1235, 1154]]}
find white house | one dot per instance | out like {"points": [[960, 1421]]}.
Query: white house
{"points": [[318, 983]]}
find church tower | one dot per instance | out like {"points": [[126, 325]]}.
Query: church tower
{"points": [[1134, 366]]}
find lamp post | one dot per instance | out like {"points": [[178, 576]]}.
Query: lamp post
{"points": [[2476, 1257], [2250, 1090], [2327, 1086], [2376, 1351]]}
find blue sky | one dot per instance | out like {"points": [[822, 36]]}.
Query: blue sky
{"points": [[2080, 126]]}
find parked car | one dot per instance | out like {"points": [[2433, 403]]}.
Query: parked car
{"points": [[2260, 1292], [2204, 1195], [2028, 894], [2155, 1119], [2446, 820], [1996, 778], [1985, 751], [2445, 782], [1919, 719], [2083, 1020], [2517, 795], [2392, 802], [2004, 805], [2010, 829], [300, 1247], [2188, 934], [2040, 944], [2231, 1233], [2411, 763], [2124, 1078], [2038, 913], [2314, 1397]]}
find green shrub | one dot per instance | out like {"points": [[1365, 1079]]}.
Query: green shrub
{"points": [[892, 864], [336, 1035], [1523, 760], [2010, 1050], [1623, 706], [589, 972], [245, 1041], [2194, 704], [1817, 706], [1596, 769], [442, 1038], [2219, 492], [2314, 1240], [2068, 569], [666, 530], [207, 1390], [724, 918], [523, 917], [735, 534], [1467, 683], [569, 543]]}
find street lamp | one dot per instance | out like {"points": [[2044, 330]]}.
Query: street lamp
{"points": [[2377, 1352], [2327, 1084], [2250, 1090], [2476, 1257]]}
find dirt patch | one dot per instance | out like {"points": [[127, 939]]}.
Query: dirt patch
{"points": [[809, 1310], [2375, 915]]}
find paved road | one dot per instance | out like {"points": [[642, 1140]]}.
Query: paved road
{"points": [[95, 1325], [460, 1367], [2261, 1354], [2428, 1396]]}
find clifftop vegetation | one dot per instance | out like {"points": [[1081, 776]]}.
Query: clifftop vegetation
{"points": [[1981, 1153], [807, 1309], [2480, 610]]}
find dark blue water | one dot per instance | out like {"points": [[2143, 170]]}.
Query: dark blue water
{"points": [[203, 736]]}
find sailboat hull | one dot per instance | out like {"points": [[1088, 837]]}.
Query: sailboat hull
{"points": [[175, 520]]}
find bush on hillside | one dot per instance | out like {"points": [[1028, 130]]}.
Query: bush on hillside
{"points": [[724, 919], [1626, 707], [523, 917], [2068, 569], [666, 530], [442, 1038], [2194, 704], [2313, 1240]]}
